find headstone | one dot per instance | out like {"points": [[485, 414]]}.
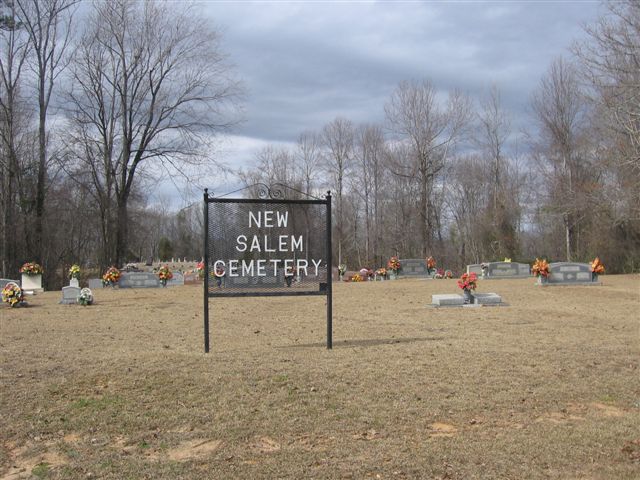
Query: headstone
{"points": [[501, 270], [32, 283], [191, 278], [568, 273], [70, 295], [487, 299], [413, 267], [95, 283], [74, 282], [4, 281], [475, 268], [507, 270], [139, 280], [448, 299], [177, 280]]}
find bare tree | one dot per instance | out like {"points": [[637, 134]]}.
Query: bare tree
{"points": [[48, 25], [309, 159], [150, 85], [369, 153], [416, 116], [560, 110], [338, 139], [14, 49]]}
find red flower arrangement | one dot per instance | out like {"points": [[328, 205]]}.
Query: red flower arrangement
{"points": [[468, 281]]}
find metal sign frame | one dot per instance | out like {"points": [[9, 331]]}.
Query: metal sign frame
{"points": [[273, 194]]}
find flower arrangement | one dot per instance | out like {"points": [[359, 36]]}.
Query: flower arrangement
{"points": [[86, 297], [393, 264], [381, 272], [111, 277], [164, 274], [596, 266], [200, 269], [31, 268], [431, 263], [12, 294], [439, 275], [540, 268], [342, 269], [356, 278], [507, 260], [448, 274], [74, 271], [468, 281]]}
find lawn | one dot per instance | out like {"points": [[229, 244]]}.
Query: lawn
{"points": [[547, 386]]}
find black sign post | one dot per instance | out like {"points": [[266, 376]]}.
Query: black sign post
{"points": [[267, 246]]}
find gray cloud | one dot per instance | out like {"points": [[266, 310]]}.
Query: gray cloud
{"points": [[306, 63]]}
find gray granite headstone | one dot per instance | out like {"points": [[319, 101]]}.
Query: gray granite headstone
{"points": [[447, 299], [487, 299], [177, 280], [568, 273], [475, 268], [413, 267], [507, 270], [4, 281], [139, 280], [95, 283], [70, 295]]}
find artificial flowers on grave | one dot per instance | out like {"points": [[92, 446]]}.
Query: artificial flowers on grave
{"points": [[31, 268], [431, 263], [597, 266], [86, 297], [393, 264], [164, 274], [111, 277], [12, 294], [342, 269], [540, 268], [200, 270], [74, 271], [381, 272], [468, 281]]}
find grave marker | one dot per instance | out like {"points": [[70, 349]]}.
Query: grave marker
{"points": [[414, 267], [570, 273], [139, 280], [176, 280], [95, 283], [70, 295]]}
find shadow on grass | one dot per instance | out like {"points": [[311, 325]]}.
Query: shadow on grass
{"points": [[364, 342]]}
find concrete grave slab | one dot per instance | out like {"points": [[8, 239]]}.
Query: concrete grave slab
{"points": [[447, 299]]}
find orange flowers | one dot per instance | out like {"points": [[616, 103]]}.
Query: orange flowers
{"points": [[597, 266], [468, 281], [540, 268], [431, 263], [393, 264], [111, 276]]}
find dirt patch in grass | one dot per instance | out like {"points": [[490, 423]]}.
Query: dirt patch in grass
{"points": [[547, 387]]}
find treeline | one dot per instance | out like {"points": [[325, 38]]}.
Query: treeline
{"points": [[98, 101], [441, 177]]}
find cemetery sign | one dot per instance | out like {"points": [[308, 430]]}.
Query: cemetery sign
{"points": [[267, 246]]}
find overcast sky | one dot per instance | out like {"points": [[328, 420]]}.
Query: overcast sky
{"points": [[305, 63]]}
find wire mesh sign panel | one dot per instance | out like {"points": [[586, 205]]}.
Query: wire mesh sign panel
{"points": [[267, 247]]}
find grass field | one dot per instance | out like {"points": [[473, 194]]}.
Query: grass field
{"points": [[546, 387]]}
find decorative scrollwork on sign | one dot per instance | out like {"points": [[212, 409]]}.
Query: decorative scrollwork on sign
{"points": [[263, 190], [277, 191]]}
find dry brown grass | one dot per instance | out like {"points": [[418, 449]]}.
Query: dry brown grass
{"points": [[547, 387]]}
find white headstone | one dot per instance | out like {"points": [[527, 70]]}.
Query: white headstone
{"points": [[70, 295]]}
